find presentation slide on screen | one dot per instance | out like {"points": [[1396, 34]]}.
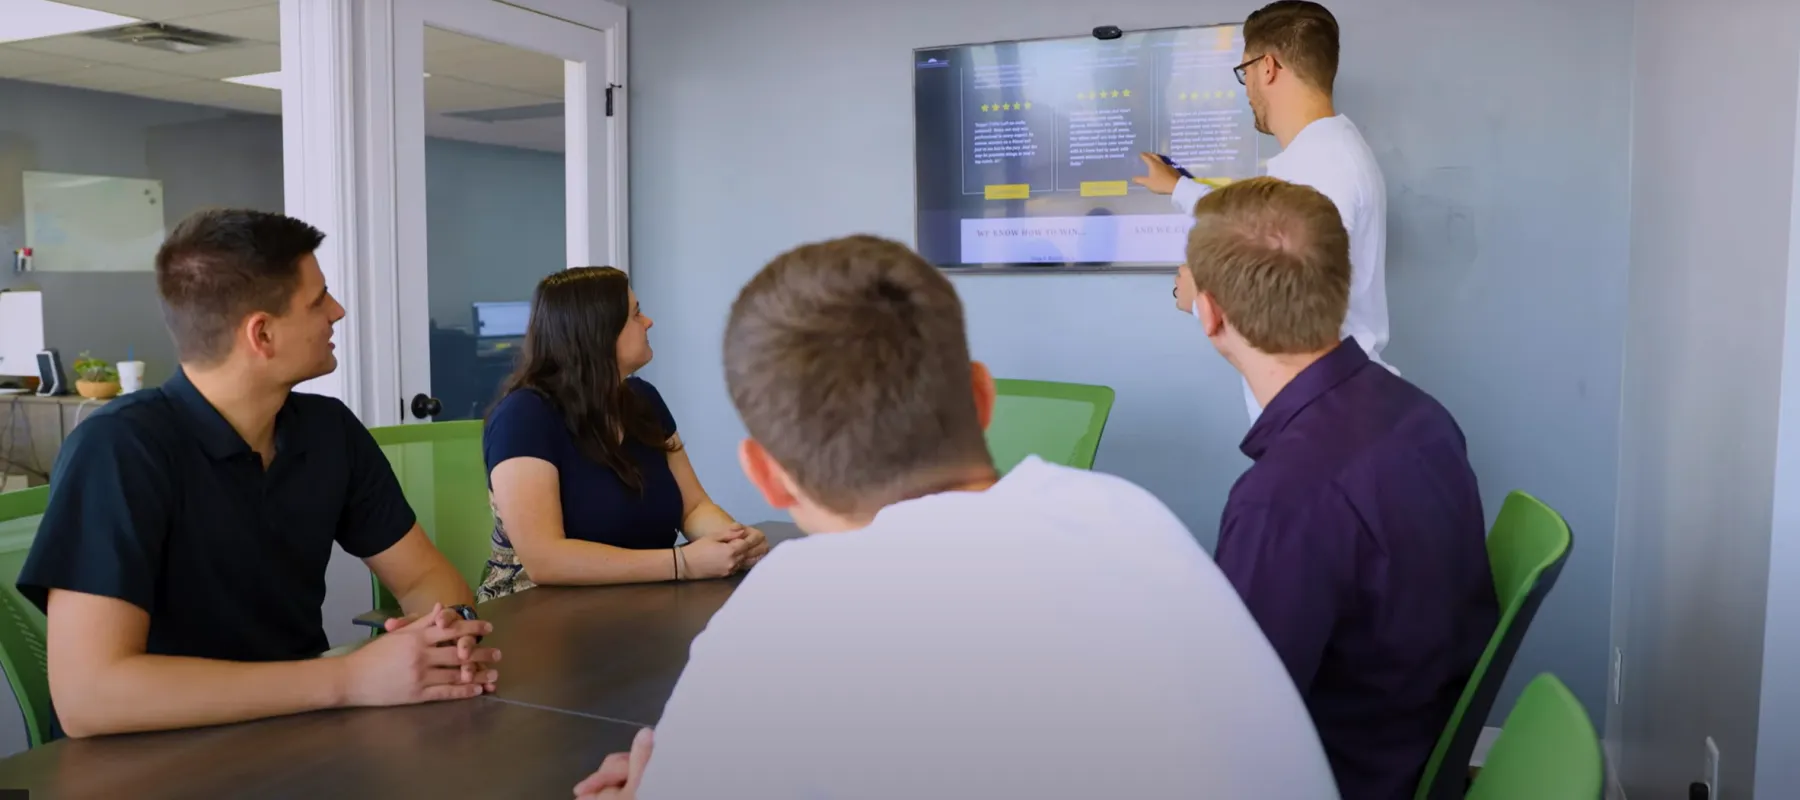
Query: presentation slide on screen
{"points": [[1026, 150]]}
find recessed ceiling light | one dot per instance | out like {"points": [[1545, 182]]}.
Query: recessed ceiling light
{"points": [[39, 19], [266, 80]]}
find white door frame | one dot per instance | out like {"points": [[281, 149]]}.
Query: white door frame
{"points": [[351, 148], [319, 164]]}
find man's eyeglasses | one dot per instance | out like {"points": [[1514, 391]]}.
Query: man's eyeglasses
{"points": [[1239, 69]]}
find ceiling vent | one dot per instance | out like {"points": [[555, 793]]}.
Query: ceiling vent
{"points": [[162, 36]]}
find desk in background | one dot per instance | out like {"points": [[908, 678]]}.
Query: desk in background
{"points": [[32, 430]]}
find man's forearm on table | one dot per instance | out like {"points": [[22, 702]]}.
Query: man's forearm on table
{"points": [[447, 587], [147, 693]]}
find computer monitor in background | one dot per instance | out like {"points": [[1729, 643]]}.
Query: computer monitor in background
{"points": [[501, 320], [21, 333]]}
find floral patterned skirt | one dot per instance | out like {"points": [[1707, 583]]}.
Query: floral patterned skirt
{"points": [[504, 574]]}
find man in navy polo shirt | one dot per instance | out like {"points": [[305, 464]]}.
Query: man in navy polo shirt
{"points": [[182, 558], [1356, 538]]}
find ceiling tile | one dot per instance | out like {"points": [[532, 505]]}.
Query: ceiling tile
{"points": [[107, 78], [218, 94], [438, 40], [262, 23], [95, 50], [470, 50], [511, 69], [16, 63], [163, 10], [226, 62], [41, 19]]}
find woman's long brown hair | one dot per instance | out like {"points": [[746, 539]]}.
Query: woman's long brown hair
{"points": [[571, 358]]}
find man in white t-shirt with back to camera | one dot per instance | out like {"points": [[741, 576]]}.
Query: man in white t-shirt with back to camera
{"points": [[1290, 64], [948, 632]]}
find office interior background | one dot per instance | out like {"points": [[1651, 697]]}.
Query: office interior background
{"points": [[1594, 215]]}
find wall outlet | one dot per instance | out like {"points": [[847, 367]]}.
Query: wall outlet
{"points": [[1617, 682], [1712, 769]]}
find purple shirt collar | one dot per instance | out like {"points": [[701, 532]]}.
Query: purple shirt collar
{"points": [[1313, 382]]}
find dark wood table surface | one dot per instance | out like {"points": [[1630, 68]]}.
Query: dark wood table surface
{"points": [[582, 670]]}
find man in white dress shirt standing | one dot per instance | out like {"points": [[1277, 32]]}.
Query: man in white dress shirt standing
{"points": [[1290, 64]]}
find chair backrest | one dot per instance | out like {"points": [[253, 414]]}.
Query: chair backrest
{"points": [[21, 624], [1058, 422], [442, 472], [1526, 551], [1547, 749]]}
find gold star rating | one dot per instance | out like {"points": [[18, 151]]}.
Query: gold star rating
{"points": [[1127, 92], [1027, 105], [985, 107]]}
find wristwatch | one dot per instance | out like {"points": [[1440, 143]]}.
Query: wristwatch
{"points": [[467, 612]]}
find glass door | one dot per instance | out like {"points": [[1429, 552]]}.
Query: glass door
{"points": [[508, 166]]}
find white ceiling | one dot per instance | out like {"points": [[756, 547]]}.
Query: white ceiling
{"points": [[467, 74]]}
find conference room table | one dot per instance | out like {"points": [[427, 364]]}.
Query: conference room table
{"points": [[581, 670]]}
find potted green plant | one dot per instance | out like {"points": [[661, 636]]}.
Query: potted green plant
{"points": [[95, 379]]}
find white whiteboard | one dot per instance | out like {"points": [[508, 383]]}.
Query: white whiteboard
{"points": [[92, 223]]}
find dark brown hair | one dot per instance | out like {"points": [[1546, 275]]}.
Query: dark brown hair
{"points": [[1303, 34], [222, 265], [1275, 257], [571, 357], [848, 362]]}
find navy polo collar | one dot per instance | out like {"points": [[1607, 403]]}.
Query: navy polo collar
{"points": [[1312, 383], [217, 437]]}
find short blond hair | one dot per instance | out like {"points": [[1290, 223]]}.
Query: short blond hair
{"points": [[1275, 257]]}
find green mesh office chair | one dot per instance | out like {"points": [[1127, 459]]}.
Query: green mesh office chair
{"points": [[21, 624], [442, 472], [1058, 422], [1547, 750], [1526, 550]]}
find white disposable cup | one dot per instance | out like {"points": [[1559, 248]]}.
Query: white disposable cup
{"points": [[131, 376]]}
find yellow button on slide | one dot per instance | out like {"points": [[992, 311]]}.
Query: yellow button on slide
{"points": [[1009, 191], [1104, 188]]}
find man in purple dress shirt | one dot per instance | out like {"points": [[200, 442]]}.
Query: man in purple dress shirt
{"points": [[1357, 537]]}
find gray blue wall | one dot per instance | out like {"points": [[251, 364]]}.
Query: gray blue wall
{"points": [[494, 226], [1778, 731], [1712, 184], [203, 156], [1502, 128]]}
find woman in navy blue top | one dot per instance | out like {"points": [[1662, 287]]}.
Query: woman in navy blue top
{"points": [[587, 476]]}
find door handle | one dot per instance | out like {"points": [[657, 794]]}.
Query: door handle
{"points": [[424, 407]]}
